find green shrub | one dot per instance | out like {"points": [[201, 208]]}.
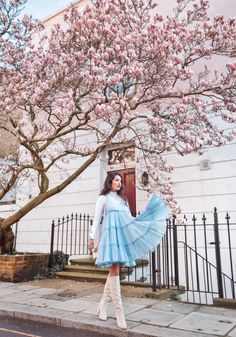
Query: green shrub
{"points": [[59, 261]]}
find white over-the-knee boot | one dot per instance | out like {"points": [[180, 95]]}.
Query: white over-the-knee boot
{"points": [[102, 307], [116, 298]]}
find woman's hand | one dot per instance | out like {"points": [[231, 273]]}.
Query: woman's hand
{"points": [[90, 244]]}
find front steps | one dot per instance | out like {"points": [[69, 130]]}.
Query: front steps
{"points": [[85, 270]]}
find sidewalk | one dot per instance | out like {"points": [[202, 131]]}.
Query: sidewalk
{"points": [[67, 307]]}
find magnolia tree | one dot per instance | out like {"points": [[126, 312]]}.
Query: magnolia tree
{"points": [[122, 72], [15, 36]]}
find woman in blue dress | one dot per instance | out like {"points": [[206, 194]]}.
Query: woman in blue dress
{"points": [[117, 237]]}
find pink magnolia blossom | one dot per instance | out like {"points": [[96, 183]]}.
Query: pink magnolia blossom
{"points": [[127, 75]]}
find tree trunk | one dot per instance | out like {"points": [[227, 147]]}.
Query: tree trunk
{"points": [[8, 222], [6, 240], [6, 233]]}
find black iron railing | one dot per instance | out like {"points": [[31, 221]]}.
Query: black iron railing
{"points": [[198, 256], [70, 235], [204, 256]]}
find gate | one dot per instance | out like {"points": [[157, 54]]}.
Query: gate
{"points": [[200, 257]]}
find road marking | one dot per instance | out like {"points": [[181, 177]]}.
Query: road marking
{"points": [[18, 332]]}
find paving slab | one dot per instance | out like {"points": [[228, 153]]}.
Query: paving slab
{"points": [[66, 295], [93, 297], [41, 291], [217, 311], [26, 295], [17, 298], [179, 307], [73, 305], [26, 287], [12, 306], [39, 302], [128, 309], [4, 292], [6, 285], [75, 320], [148, 302], [207, 323], [144, 330], [155, 317], [21, 287], [232, 333]]}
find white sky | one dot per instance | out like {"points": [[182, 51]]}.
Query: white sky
{"points": [[40, 9]]}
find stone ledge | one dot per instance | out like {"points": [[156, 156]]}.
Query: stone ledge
{"points": [[224, 302]]}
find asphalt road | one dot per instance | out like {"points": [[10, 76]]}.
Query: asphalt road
{"points": [[10, 327]]}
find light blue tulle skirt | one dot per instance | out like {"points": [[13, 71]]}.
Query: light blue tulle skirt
{"points": [[125, 238]]}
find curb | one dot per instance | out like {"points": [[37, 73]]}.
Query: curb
{"points": [[98, 327], [67, 323]]}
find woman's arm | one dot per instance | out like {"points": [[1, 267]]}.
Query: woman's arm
{"points": [[99, 209]]}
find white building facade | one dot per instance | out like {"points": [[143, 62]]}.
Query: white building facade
{"points": [[200, 182]]}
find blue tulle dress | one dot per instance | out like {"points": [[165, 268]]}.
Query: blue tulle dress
{"points": [[125, 238]]}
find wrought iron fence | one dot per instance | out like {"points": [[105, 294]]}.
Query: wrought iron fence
{"points": [[70, 235], [205, 255], [196, 255]]}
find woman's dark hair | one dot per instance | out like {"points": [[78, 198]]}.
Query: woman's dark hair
{"points": [[108, 182]]}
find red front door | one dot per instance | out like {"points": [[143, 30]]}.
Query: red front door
{"points": [[128, 177]]}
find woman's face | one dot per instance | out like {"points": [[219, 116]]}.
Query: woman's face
{"points": [[116, 183]]}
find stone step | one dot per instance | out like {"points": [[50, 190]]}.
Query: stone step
{"points": [[91, 277], [91, 261], [140, 263], [83, 261], [137, 284], [171, 293], [224, 302], [94, 269], [85, 269]]}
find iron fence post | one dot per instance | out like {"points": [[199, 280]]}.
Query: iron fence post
{"points": [[50, 262], [230, 255], [218, 257], [154, 281], [175, 244]]}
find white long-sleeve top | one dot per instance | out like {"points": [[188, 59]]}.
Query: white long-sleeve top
{"points": [[95, 231], [99, 211]]}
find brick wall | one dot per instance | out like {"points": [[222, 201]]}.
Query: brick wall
{"points": [[18, 268]]}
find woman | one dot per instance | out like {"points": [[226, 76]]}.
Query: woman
{"points": [[118, 238]]}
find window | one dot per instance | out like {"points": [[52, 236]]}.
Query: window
{"points": [[121, 156]]}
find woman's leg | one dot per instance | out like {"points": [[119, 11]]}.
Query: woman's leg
{"points": [[114, 270], [102, 307], [114, 283]]}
